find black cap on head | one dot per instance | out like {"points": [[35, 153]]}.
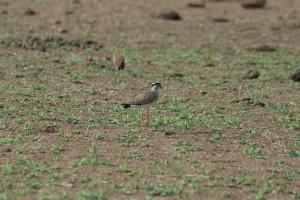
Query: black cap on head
{"points": [[156, 84]]}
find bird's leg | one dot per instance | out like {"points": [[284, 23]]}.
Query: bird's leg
{"points": [[148, 118], [142, 114]]}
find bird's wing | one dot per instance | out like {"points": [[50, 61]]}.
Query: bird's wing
{"points": [[143, 99]]}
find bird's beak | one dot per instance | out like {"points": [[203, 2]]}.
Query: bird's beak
{"points": [[161, 87]]}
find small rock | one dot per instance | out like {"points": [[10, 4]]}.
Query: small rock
{"points": [[172, 15], [253, 3], [296, 76], [115, 62], [196, 5], [30, 12], [251, 74]]}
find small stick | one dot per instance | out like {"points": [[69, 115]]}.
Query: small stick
{"points": [[114, 60], [240, 88]]}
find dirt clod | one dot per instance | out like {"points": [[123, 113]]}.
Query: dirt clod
{"points": [[250, 4], [176, 75], [262, 48], [30, 12], [4, 12], [62, 30], [292, 25], [51, 42], [69, 12], [61, 116], [54, 38], [249, 101], [296, 76], [220, 19], [196, 4], [7, 150], [170, 133], [216, 1], [260, 104], [251, 75], [246, 99], [115, 62], [210, 64], [92, 45], [171, 15], [49, 129], [203, 92]]}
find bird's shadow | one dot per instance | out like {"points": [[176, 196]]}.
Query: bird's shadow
{"points": [[197, 133], [204, 132]]}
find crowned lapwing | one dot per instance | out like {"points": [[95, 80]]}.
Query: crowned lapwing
{"points": [[145, 101]]}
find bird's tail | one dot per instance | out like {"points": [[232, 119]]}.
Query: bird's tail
{"points": [[125, 105]]}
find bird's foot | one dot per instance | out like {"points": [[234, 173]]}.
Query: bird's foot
{"points": [[144, 129]]}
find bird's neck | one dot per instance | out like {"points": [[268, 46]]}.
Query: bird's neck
{"points": [[154, 89]]}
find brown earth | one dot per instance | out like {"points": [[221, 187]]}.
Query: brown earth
{"points": [[62, 45]]}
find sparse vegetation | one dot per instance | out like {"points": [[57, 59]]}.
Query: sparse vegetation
{"points": [[216, 135]]}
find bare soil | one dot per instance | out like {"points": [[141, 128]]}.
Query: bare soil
{"points": [[55, 77]]}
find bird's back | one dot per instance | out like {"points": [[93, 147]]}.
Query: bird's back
{"points": [[144, 99]]}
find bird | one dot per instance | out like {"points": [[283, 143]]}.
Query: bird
{"points": [[145, 101]]}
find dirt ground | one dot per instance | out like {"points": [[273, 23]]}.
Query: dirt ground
{"points": [[217, 133]]}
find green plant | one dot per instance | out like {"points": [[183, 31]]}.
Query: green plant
{"points": [[253, 152]]}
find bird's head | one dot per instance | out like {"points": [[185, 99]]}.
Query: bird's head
{"points": [[156, 86]]}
